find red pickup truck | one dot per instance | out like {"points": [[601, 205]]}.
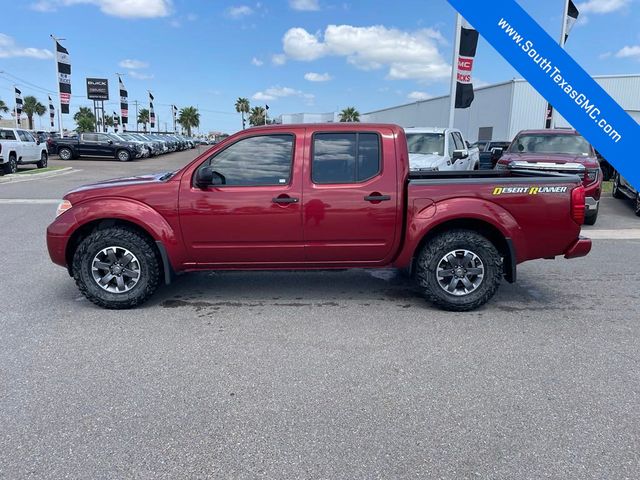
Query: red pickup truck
{"points": [[316, 197]]}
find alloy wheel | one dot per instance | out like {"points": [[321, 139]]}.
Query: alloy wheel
{"points": [[460, 272], [115, 269]]}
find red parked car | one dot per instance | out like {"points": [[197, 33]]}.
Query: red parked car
{"points": [[316, 197], [564, 151]]}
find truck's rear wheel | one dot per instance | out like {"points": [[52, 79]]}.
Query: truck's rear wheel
{"points": [[65, 153], [12, 165], [459, 270], [116, 268]]}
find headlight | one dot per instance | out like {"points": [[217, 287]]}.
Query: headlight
{"points": [[63, 207], [591, 176]]}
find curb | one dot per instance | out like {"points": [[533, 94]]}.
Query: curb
{"points": [[17, 177]]}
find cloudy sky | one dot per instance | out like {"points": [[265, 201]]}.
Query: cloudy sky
{"points": [[294, 55]]}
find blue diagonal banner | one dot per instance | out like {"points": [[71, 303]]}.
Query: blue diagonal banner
{"points": [[559, 79]]}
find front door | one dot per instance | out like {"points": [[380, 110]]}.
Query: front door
{"points": [[253, 216], [351, 198]]}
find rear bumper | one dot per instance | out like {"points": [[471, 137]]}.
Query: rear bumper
{"points": [[579, 248]]}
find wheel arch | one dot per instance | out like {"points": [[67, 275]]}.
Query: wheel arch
{"points": [[104, 223], [502, 242]]}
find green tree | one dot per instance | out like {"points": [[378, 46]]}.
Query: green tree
{"points": [[3, 108], [108, 121], [31, 106], [257, 116], [242, 107], [85, 120], [143, 118], [189, 118], [350, 114]]}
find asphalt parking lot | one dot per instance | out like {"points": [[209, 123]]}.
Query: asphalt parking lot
{"points": [[344, 375]]}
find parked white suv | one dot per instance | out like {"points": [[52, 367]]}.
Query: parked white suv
{"points": [[20, 147], [438, 149]]}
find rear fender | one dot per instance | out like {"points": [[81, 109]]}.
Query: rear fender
{"points": [[473, 213]]}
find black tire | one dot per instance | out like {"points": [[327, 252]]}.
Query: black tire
{"points": [[591, 216], [65, 153], [43, 160], [123, 155], [12, 165], [432, 255], [147, 260], [615, 189]]}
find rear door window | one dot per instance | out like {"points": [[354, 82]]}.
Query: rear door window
{"points": [[345, 157], [7, 135]]}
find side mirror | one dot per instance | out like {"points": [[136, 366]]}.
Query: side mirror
{"points": [[207, 176], [37, 141], [460, 154], [110, 142], [496, 153]]}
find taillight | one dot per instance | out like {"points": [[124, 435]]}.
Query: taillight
{"points": [[577, 205], [590, 176]]}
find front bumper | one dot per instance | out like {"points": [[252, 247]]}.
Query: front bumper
{"points": [[591, 203], [579, 248]]}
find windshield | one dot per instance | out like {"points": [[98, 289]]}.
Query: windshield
{"points": [[549, 143], [117, 137], [426, 143]]}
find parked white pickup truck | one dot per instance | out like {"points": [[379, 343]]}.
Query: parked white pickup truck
{"points": [[438, 149], [20, 147]]}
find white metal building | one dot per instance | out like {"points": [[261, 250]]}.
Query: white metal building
{"points": [[308, 117], [500, 111]]}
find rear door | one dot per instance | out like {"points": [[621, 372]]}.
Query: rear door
{"points": [[351, 198], [88, 144], [254, 218]]}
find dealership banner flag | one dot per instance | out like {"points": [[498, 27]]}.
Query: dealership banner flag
{"points": [[571, 17], [64, 77], [152, 114], [116, 121], [124, 103], [52, 111], [466, 55], [559, 79], [18, 105]]}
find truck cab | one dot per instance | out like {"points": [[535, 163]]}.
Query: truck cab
{"points": [[439, 149]]}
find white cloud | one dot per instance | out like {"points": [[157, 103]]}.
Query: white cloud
{"points": [[116, 8], [304, 5], [240, 11], [9, 48], [274, 93], [602, 6], [133, 64], [629, 52], [279, 59], [317, 77], [140, 75], [257, 62], [407, 55], [416, 96], [605, 55]]}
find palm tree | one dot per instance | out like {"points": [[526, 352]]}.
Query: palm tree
{"points": [[242, 107], [350, 114], [143, 118], [189, 118], [85, 120], [3, 107], [31, 106], [257, 116], [108, 121]]}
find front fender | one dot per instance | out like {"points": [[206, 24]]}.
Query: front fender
{"points": [[129, 210], [425, 215]]}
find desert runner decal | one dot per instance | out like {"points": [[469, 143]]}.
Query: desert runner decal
{"points": [[529, 190]]}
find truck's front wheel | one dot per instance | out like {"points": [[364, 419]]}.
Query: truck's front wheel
{"points": [[116, 268], [459, 270]]}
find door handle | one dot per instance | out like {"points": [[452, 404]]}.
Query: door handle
{"points": [[377, 198], [285, 200]]}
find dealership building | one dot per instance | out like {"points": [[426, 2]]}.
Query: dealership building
{"points": [[500, 111]]}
